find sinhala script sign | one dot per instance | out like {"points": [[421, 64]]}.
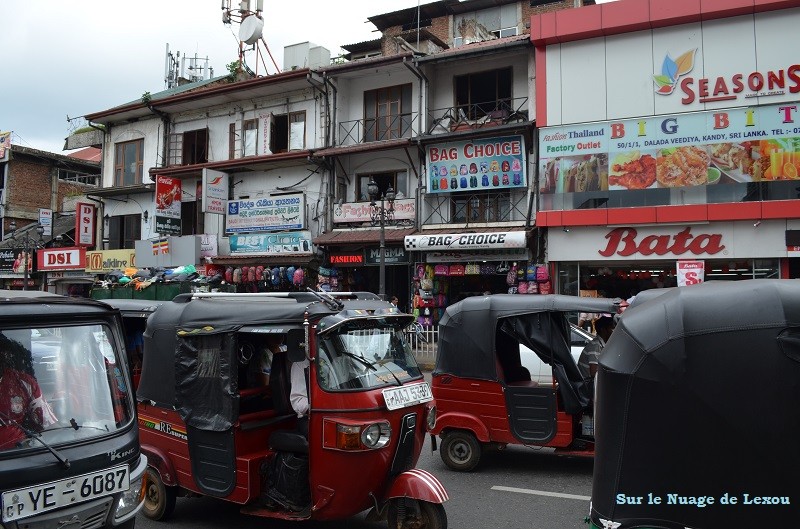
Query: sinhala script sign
{"points": [[276, 212]]}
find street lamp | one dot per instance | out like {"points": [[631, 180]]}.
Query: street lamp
{"points": [[381, 216], [29, 245]]}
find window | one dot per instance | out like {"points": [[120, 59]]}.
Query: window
{"points": [[76, 177], [478, 94], [195, 146], [124, 231], [397, 180], [288, 132], [494, 207], [482, 25], [128, 163], [387, 113], [250, 137]]}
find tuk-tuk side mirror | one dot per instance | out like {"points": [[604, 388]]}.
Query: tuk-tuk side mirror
{"points": [[295, 345]]}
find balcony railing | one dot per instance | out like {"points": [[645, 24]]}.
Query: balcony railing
{"points": [[478, 115], [475, 208], [378, 129]]}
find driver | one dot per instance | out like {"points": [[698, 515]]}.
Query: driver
{"points": [[22, 407]]}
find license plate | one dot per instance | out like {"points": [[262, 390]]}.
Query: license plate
{"points": [[405, 396], [30, 501]]}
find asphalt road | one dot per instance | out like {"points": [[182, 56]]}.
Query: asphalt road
{"points": [[519, 488]]}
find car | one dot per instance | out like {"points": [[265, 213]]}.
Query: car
{"points": [[541, 373]]}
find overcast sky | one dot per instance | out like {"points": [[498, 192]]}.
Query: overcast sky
{"points": [[75, 57]]}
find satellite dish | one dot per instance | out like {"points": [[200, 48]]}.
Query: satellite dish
{"points": [[250, 30]]}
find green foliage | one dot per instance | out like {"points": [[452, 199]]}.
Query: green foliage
{"points": [[146, 98]]}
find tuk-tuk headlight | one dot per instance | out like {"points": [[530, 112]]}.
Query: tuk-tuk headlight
{"points": [[130, 499], [376, 435], [430, 420]]}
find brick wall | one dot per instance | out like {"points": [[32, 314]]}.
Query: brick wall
{"points": [[29, 188]]}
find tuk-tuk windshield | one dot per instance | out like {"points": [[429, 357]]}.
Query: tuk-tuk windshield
{"points": [[60, 384], [355, 357]]}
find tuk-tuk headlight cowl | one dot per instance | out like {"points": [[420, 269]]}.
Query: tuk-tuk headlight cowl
{"points": [[376, 435]]}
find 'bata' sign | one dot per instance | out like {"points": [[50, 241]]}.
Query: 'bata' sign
{"points": [[62, 259], [624, 242]]}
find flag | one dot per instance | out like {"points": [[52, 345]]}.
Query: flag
{"points": [[160, 246]]}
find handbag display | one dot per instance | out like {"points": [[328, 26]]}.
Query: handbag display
{"points": [[542, 273], [456, 270], [472, 269], [441, 270]]}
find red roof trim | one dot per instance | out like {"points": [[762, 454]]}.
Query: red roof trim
{"points": [[624, 16]]}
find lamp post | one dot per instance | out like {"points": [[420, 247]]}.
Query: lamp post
{"points": [[381, 216], [29, 245]]}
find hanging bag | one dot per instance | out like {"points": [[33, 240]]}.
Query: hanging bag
{"points": [[472, 269], [511, 276], [530, 273], [542, 273], [440, 270], [456, 270]]}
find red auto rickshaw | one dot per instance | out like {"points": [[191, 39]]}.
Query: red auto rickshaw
{"points": [[486, 398], [209, 430]]}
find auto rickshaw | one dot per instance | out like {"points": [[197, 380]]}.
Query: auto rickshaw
{"points": [[134, 318], [208, 430], [485, 398], [696, 412], [69, 442]]}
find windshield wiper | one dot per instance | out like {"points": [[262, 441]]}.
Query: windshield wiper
{"points": [[361, 359], [5, 420]]}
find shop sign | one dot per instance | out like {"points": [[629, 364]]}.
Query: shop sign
{"points": [[208, 245], [394, 255], [465, 241], [85, 223], [690, 273], [214, 191], [404, 209], [625, 242], [288, 243], [61, 259], [100, 262], [7, 257], [675, 75], [276, 212], [741, 145], [46, 221], [793, 251], [347, 259], [168, 226], [476, 165]]}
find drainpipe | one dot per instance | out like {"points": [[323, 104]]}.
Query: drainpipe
{"points": [[413, 66], [331, 98], [101, 229], [165, 119]]}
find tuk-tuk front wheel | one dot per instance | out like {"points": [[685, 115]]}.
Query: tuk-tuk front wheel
{"points": [[159, 500], [460, 451], [405, 513]]}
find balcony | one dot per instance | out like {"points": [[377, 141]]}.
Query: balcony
{"points": [[478, 115], [383, 128], [476, 209]]}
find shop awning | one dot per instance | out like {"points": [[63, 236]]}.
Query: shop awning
{"points": [[266, 260], [351, 237]]}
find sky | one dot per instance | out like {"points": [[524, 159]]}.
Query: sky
{"points": [[68, 58]]}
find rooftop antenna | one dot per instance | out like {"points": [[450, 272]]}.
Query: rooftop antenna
{"points": [[251, 25], [176, 67]]}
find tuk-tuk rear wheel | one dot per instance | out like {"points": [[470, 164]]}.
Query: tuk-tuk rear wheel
{"points": [[426, 516], [460, 451], [159, 500]]}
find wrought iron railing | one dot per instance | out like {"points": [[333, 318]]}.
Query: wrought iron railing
{"points": [[378, 129], [475, 208], [477, 115]]}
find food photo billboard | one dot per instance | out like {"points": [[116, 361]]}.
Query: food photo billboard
{"points": [[741, 145]]}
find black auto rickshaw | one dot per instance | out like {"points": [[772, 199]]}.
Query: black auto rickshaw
{"points": [[485, 395], [696, 413], [134, 318], [69, 443]]}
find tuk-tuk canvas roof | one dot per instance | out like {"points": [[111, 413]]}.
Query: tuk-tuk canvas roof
{"points": [[467, 329], [697, 395]]}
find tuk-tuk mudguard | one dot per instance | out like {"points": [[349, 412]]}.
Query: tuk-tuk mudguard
{"points": [[418, 484], [159, 460], [461, 421]]}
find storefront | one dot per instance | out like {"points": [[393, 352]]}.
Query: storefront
{"points": [[64, 270], [623, 261], [451, 265], [689, 151]]}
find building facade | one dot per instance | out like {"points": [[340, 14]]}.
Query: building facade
{"points": [[680, 156]]}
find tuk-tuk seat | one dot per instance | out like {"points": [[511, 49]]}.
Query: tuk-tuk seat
{"points": [[288, 441]]}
